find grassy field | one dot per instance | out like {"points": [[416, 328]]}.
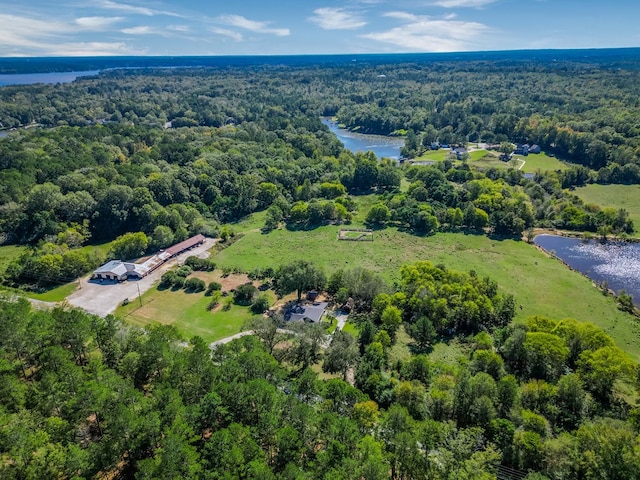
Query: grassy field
{"points": [[187, 312], [8, 253], [542, 161], [533, 162], [616, 196], [541, 285], [55, 294]]}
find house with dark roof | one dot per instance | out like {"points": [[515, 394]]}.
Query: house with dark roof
{"points": [[522, 150], [535, 149], [306, 313]]}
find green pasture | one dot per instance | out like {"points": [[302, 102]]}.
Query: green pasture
{"points": [[615, 196], [187, 312], [540, 284], [8, 253], [533, 162], [542, 161]]}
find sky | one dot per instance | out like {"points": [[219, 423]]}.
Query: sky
{"points": [[291, 27]]}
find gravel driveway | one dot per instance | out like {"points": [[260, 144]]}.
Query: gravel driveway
{"points": [[102, 298]]}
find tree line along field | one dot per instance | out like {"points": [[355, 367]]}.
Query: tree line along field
{"points": [[540, 284], [616, 196]]}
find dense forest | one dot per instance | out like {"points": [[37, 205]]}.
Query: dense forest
{"points": [[173, 152], [85, 396], [143, 158]]}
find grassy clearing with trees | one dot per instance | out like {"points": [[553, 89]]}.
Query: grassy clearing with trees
{"points": [[615, 196], [542, 285], [188, 311]]}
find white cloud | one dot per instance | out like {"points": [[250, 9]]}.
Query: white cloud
{"points": [[426, 34], [24, 36], [252, 25], [227, 33], [139, 30], [410, 17], [94, 49], [462, 3], [179, 28], [336, 19], [96, 23], [125, 7]]}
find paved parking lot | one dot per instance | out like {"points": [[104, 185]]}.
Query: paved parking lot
{"points": [[102, 298]]}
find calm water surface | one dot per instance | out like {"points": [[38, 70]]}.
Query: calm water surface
{"points": [[31, 78], [618, 264], [382, 146]]}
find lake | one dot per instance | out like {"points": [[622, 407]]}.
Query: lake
{"points": [[31, 78], [382, 146], [618, 264]]}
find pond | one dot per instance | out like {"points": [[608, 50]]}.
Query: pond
{"points": [[382, 146], [616, 263], [32, 78]]}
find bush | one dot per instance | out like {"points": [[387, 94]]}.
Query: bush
{"points": [[261, 304], [200, 264], [215, 300], [245, 294], [178, 282], [167, 279], [184, 271], [213, 287], [194, 285]]}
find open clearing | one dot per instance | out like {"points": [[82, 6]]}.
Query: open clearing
{"points": [[540, 284], [533, 162], [188, 311], [616, 196]]}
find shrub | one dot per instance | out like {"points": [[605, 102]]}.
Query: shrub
{"points": [[178, 282], [261, 304], [194, 285], [200, 264], [245, 294], [213, 287], [167, 279], [215, 300], [184, 271]]}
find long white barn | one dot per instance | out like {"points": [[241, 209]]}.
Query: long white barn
{"points": [[120, 271]]}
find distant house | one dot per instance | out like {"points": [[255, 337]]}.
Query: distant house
{"points": [[505, 157], [435, 146], [459, 152], [306, 313], [535, 149], [522, 150]]}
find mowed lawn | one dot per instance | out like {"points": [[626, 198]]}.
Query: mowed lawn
{"points": [[541, 285], [187, 312], [533, 162], [616, 196]]}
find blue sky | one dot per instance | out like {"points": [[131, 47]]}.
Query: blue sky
{"points": [[254, 27]]}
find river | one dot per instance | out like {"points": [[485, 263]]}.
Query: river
{"points": [[32, 78], [382, 146], [618, 264]]}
